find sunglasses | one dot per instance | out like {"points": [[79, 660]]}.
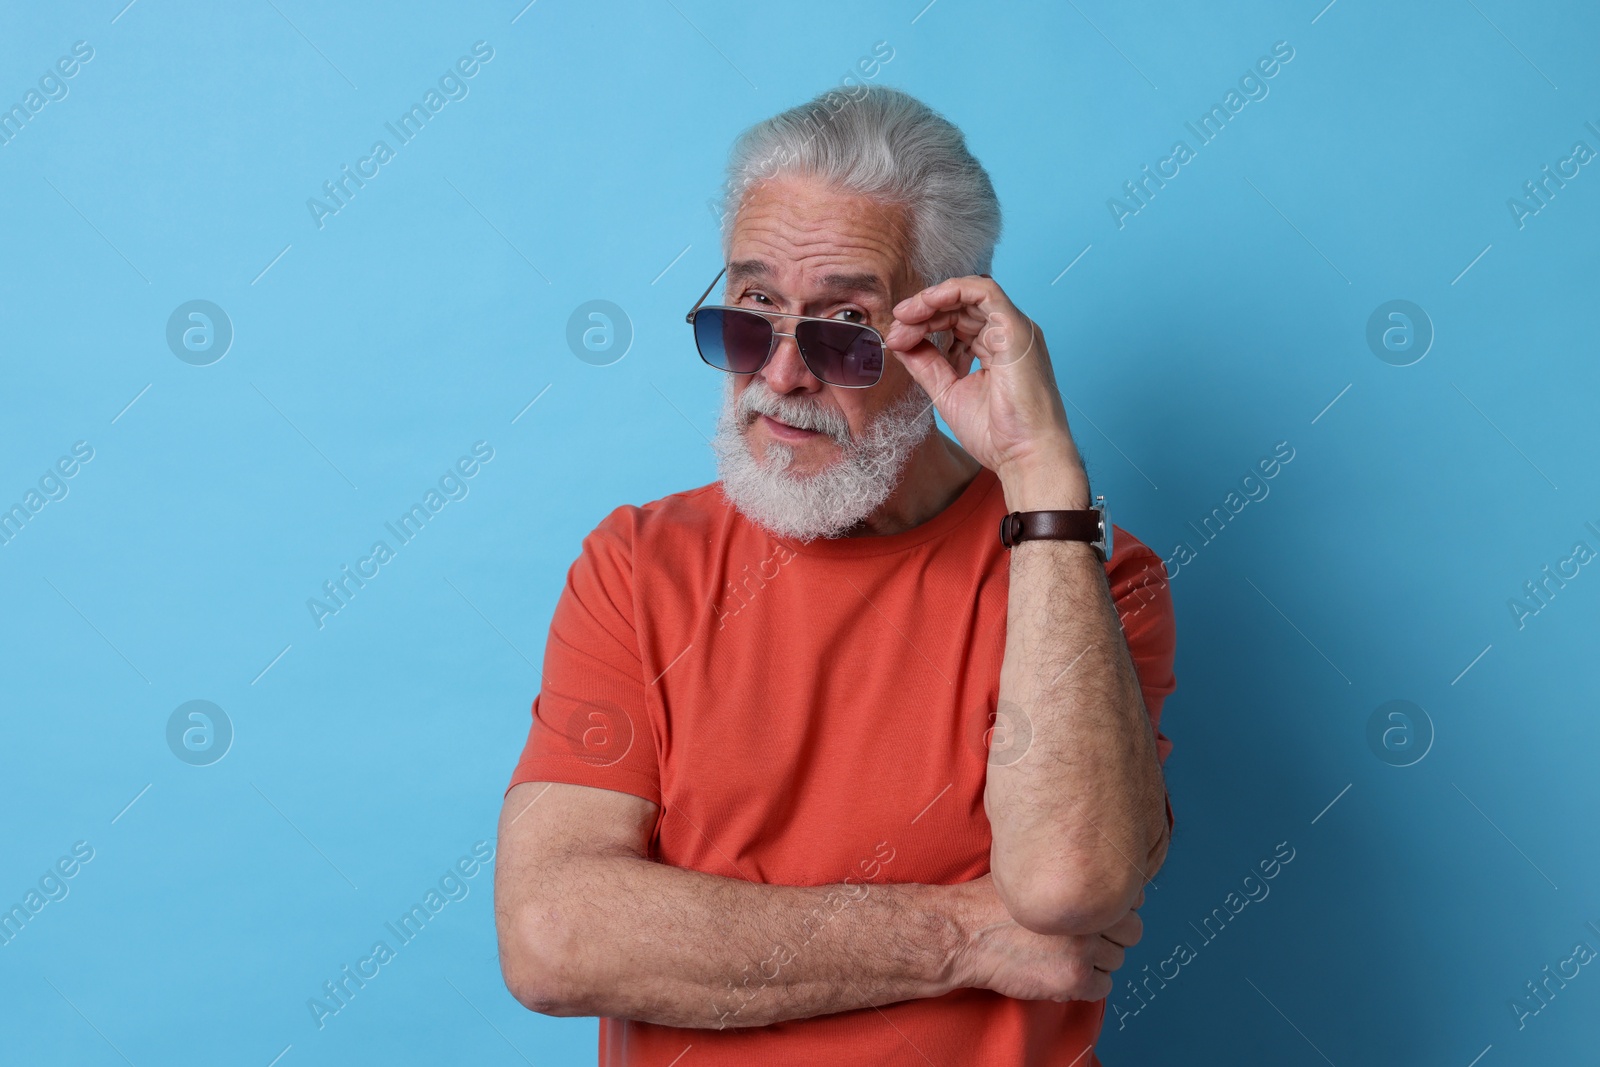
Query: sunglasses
{"points": [[741, 340]]}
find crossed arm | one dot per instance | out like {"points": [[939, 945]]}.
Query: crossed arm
{"points": [[589, 925]]}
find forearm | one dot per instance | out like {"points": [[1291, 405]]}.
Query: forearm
{"points": [[632, 938], [1078, 821]]}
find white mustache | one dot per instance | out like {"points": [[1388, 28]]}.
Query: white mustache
{"points": [[759, 399], [825, 503]]}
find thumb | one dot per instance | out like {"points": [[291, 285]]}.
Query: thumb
{"points": [[929, 368]]}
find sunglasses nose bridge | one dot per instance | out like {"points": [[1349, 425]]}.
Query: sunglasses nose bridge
{"points": [[786, 365]]}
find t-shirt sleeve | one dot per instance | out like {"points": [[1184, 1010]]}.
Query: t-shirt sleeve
{"points": [[1143, 596], [591, 724]]}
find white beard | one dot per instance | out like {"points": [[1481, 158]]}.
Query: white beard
{"points": [[841, 495]]}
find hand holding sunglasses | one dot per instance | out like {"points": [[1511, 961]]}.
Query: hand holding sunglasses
{"points": [[1006, 411]]}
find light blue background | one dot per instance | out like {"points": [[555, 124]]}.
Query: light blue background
{"points": [[426, 315]]}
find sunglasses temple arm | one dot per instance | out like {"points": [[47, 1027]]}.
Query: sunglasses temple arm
{"points": [[690, 316]]}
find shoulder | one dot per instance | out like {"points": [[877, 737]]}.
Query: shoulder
{"points": [[635, 536], [673, 517], [636, 547]]}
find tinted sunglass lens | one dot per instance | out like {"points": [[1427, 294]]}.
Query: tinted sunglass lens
{"points": [[734, 341], [841, 353]]}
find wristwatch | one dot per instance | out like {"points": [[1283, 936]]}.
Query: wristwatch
{"points": [[1092, 524]]}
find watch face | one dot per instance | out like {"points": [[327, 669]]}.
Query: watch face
{"points": [[1104, 544]]}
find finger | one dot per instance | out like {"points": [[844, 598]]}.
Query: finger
{"points": [[1008, 340], [949, 294], [928, 367], [1097, 985], [905, 336], [1000, 338], [965, 322], [939, 320], [1126, 931], [1108, 956]]}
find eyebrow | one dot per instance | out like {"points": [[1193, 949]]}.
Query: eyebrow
{"points": [[746, 270]]}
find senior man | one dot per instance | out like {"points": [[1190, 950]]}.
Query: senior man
{"points": [[834, 762]]}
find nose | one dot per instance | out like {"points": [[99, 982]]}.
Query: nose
{"points": [[785, 371]]}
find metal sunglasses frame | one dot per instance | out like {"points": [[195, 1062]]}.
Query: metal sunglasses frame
{"points": [[701, 305]]}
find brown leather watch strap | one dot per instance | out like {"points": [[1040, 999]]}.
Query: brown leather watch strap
{"points": [[1052, 526]]}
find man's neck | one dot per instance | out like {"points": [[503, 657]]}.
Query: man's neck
{"points": [[936, 474]]}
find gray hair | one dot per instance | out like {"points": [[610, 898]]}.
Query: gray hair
{"points": [[887, 145]]}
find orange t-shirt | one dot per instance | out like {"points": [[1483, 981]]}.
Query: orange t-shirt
{"points": [[803, 714]]}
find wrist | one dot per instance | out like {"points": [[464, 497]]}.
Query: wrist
{"points": [[1056, 484], [964, 921]]}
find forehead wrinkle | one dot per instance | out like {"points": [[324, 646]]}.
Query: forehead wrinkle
{"points": [[826, 244], [788, 242], [837, 281], [802, 214]]}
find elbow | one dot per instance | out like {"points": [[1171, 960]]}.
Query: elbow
{"points": [[1075, 895], [1053, 903], [539, 968]]}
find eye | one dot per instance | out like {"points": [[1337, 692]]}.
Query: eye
{"points": [[759, 297], [859, 316]]}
